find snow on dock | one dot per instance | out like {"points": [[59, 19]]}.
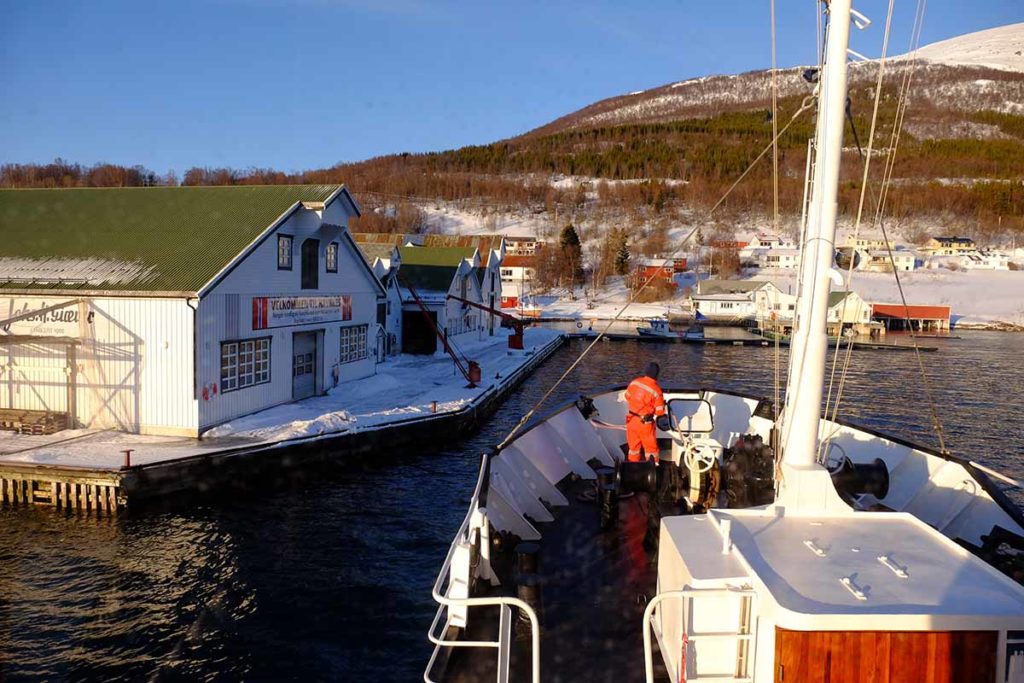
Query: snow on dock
{"points": [[406, 390]]}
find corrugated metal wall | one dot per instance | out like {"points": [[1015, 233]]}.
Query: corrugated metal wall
{"points": [[133, 365]]}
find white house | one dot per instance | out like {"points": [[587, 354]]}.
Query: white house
{"points": [[385, 260], [171, 310], [432, 280], [849, 308], [517, 275], [878, 261], [764, 240], [778, 257], [868, 242], [741, 300], [522, 245]]}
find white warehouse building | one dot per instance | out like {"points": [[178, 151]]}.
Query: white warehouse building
{"points": [[171, 310]]}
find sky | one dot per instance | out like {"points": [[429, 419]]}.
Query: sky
{"points": [[301, 84]]}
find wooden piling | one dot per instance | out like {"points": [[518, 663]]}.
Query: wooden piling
{"points": [[60, 488]]}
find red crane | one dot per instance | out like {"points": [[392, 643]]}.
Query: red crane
{"points": [[515, 340]]}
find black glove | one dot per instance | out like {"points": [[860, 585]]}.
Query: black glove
{"points": [[663, 423]]}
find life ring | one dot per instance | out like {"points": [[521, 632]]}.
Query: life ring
{"points": [[579, 326]]}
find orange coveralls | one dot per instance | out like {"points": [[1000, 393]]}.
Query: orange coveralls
{"points": [[645, 400]]}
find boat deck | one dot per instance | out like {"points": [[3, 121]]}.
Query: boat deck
{"points": [[594, 587]]}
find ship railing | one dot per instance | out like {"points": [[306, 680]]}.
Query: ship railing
{"points": [[1010, 481], [744, 637], [453, 608]]}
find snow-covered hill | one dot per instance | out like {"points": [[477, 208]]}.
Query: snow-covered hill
{"points": [[974, 72], [996, 48]]}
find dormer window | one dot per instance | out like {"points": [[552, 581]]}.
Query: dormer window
{"points": [[332, 257], [284, 252]]}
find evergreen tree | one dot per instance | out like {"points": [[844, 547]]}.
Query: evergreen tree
{"points": [[572, 253], [621, 252]]}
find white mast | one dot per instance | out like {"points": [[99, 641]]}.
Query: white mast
{"points": [[805, 382]]}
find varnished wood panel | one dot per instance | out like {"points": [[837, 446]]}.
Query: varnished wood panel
{"points": [[884, 657]]}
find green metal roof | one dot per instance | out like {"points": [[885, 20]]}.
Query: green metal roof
{"points": [[835, 297], [159, 239], [435, 256], [427, 278]]}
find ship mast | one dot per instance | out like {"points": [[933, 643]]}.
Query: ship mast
{"points": [[805, 382]]}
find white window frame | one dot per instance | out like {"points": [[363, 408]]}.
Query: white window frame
{"points": [[244, 363], [352, 344], [282, 252], [331, 257]]}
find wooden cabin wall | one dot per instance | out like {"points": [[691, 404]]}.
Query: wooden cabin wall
{"points": [[884, 657]]}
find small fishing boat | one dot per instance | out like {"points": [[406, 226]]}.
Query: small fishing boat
{"points": [[773, 543], [659, 328]]}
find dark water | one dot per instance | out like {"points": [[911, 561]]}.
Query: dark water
{"points": [[331, 578]]}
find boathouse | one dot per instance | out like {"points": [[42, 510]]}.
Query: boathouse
{"points": [[171, 310], [918, 318], [432, 280], [385, 261]]}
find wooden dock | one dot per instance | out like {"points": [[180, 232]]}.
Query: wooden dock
{"points": [[104, 491], [64, 488]]}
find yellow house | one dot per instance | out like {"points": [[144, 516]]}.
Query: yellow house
{"points": [[948, 246]]}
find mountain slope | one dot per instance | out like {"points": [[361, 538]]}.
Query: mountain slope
{"points": [[981, 71]]}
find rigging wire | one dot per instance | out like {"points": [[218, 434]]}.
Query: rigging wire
{"points": [[804, 106], [824, 445], [879, 212]]}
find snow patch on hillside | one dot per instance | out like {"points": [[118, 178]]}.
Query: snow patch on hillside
{"points": [[997, 48]]}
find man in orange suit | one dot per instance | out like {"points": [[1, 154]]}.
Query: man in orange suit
{"points": [[646, 404]]}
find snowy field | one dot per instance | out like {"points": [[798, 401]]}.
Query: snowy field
{"points": [[403, 388]]}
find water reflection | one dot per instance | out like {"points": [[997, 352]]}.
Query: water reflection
{"points": [[329, 577]]}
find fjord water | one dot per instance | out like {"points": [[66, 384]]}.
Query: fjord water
{"points": [[329, 577]]}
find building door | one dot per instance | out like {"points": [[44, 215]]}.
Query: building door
{"points": [[304, 365], [418, 334]]}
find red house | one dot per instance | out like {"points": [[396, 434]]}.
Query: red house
{"points": [[657, 270]]}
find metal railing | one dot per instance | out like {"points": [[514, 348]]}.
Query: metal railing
{"points": [[746, 660], [1014, 484], [473, 527]]}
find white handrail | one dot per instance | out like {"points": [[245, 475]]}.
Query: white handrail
{"points": [[445, 602], [998, 475], [682, 594]]}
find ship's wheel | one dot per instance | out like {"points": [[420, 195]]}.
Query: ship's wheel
{"points": [[699, 456]]}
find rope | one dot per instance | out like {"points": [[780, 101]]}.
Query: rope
{"points": [[805, 105]]}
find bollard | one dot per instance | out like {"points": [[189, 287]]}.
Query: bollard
{"points": [[127, 458], [433, 406]]}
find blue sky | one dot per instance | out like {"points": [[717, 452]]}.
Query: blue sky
{"points": [[296, 84]]}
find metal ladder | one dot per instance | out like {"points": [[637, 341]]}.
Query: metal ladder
{"points": [[743, 637]]}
